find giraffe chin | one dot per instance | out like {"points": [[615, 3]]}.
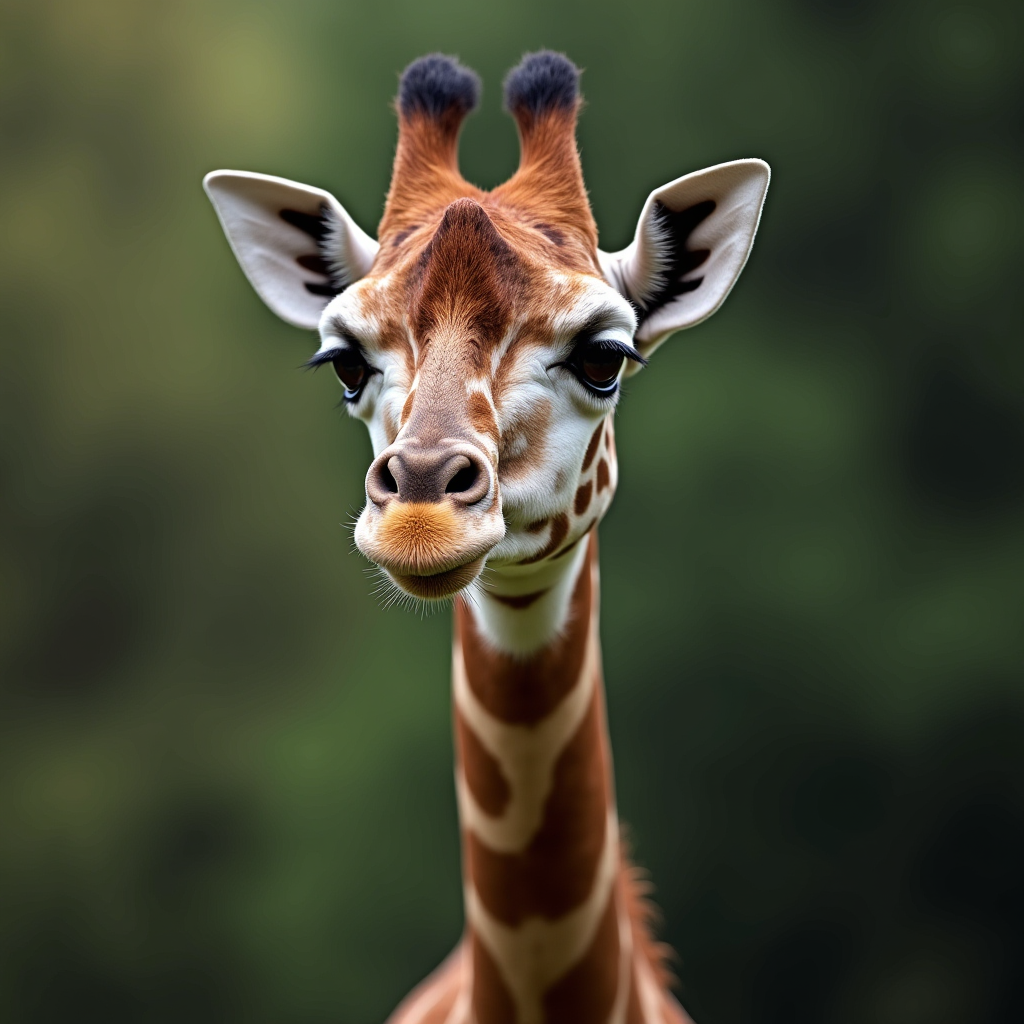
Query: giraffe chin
{"points": [[429, 550], [440, 585]]}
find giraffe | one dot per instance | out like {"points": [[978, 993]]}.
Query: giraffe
{"points": [[483, 338]]}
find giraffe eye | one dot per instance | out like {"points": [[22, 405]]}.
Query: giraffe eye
{"points": [[351, 369], [596, 361], [596, 364], [600, 366]]}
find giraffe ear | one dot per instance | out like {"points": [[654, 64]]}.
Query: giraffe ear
{"points": [[296, 244], [693, 238]]}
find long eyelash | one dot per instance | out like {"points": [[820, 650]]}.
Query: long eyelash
{"points": [[611, 345], [319, 358]]}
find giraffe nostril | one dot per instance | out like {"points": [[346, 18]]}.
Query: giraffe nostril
{"points": [[387, 479], [463, 480], [381, 482]]}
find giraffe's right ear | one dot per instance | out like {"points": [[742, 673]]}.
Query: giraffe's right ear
{"points": [[296, 244], [693, 238]]}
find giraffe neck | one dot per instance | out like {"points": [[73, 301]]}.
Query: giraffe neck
{"points": [[548, 932]]}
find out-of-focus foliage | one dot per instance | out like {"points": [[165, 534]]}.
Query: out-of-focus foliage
{"points": [[226, 789]]}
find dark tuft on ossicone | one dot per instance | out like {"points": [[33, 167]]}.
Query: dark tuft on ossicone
{"points": [[542, 81], [436, 84]]}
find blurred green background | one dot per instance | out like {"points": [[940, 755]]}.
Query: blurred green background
{"points": [[226, 772]]}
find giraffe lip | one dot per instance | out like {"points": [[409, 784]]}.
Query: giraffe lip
{"points": [[438, 585]]}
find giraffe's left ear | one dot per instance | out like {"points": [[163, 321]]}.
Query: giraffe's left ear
{"points": [[693, 238]]}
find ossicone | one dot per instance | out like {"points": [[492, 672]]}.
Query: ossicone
{"points": [[436, 85], [542, 82]]}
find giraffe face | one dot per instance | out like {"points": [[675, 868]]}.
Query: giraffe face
{"points": [[483, 337], [488, 396]]}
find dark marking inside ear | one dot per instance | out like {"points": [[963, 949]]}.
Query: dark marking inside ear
{"points": [[542, 81], [315, 263], [313, 224], [328, 291], [435, 84], [318, 227], [676, 226]]}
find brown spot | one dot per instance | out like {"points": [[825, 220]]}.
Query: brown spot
{"points": [[582, 502], [557, 870], [525, 690], [569, 547], [595, 440], [481, 416], [407, 407], [587, 991], [609, 439], [484, 776], [523, 444], [537, 525], [603, 476], [492, 1001], [519, 601], [559, 528]]}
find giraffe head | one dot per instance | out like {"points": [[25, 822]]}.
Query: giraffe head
{"points": [[484, 336]]}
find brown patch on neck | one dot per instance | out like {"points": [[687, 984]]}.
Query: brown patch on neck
{"points": [[523, 691], [587, 991], [483, 774], [603, 476], [558, 869], [492, 1001]]}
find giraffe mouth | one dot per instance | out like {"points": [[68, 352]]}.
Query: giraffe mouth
{"points": [[429, 550], [439, 585]]}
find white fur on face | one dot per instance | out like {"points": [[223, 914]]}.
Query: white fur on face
{"points": [[546, 418]]}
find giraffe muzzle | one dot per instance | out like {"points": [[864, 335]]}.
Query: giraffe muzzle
{"points": [[432, 516]]}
